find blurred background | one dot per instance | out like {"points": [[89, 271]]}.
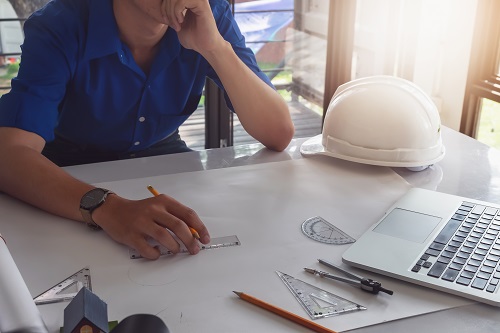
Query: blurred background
{"points": [[450, 48]]}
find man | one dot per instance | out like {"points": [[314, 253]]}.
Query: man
{"points": [[107, 79]]}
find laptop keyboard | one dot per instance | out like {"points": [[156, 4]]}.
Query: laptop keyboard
{"points": [[467, 250]]}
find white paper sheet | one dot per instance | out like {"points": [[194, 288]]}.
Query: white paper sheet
{"points": [[264, 205]]}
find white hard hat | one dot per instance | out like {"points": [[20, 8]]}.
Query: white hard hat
{"points": [[380, 120]]}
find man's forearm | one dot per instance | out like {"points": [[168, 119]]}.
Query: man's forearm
{"points": [[261, 110], [30, 177]]}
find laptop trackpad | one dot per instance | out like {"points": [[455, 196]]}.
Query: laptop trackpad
{"points": [[409, 225]]}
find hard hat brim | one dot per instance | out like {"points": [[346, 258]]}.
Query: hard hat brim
{"points": [[314, 146]]}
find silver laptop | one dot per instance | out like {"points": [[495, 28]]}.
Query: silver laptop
{"points": [[437, 240]]}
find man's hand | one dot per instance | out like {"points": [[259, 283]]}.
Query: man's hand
{"points": [[194, 22], [132, 222]]}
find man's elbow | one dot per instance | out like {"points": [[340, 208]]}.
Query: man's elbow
{"points": [[282, 137]]}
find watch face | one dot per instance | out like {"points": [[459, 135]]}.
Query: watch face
{"points": [[93, 198]]}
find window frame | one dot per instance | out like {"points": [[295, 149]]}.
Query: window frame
{"points": [[483, 79]]}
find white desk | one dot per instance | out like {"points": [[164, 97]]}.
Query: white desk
{"points": [[469, 169]]}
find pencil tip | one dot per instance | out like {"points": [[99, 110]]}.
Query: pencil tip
{"points": [[237, 292]]}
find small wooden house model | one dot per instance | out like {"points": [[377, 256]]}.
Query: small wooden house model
{"points": [[86, 313]]}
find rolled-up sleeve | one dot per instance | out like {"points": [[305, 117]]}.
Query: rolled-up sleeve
{"points": [[30, 113], [37, 91]]}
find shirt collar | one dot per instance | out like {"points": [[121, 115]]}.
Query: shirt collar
{"points": [[102, 34]]}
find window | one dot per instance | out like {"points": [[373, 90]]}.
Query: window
{"points": [[488, 130], [481, 108], [289, 38]]}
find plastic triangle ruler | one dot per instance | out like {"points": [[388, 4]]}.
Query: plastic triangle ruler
{"points": [[321, 230], [67, 289], [215, 243], [317, 302]]}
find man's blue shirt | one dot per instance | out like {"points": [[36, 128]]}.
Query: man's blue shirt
{"points": [[79, 81]]}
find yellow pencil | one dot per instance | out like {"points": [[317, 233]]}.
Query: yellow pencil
{"points": [[283, 313], [153, 191], [156, 193]]}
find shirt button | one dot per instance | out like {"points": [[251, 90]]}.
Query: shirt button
{"points": [[137, 143], [141, 119]]}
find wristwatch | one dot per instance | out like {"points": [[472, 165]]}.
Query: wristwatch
{"points": [[89, 202]]}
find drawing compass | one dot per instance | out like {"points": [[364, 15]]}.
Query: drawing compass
{"points": [[368, 285]]}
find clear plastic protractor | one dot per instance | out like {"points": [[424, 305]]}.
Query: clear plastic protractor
{"points": [[320, 230]]}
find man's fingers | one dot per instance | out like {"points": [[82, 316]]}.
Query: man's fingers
{"points": [[179, 12], [183, 214], [179, 229], [167, 13], [146, 250], [175, 10], [162, 236]]}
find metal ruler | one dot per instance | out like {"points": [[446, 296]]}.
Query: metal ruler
{"points": [[322, 231], [215, 243], [67, 289], [317, 302]]}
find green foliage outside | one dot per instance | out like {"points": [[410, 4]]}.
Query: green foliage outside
{"points": [[6, 74], [11, 71]]}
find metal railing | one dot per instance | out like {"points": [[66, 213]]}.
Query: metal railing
{"points": [[271, 73]]}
